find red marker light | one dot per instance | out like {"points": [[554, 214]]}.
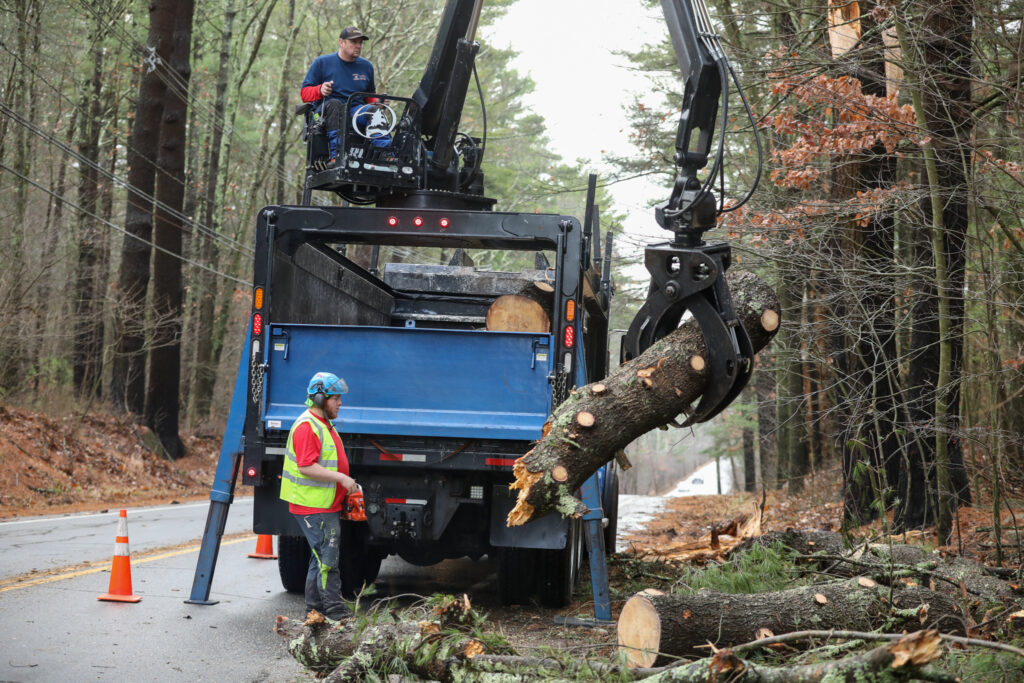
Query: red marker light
{"points": [[392, 221], [444, 222], [251, 472], [418, 222], [257, 325], [570, 336]]}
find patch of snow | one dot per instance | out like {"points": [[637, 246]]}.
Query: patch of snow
{"points": [[634, 513], [704, 481]]}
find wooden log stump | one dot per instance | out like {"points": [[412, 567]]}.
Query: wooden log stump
{"points": [[650, 391], [654, 628]]}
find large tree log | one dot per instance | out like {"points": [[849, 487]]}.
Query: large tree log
{"points": [[888, 563], [650, 391], [655, 627]]}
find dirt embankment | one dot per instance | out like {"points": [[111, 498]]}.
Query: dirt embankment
{"points": [[77, 463]]}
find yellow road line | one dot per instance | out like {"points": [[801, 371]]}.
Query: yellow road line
{"points": [[106, 566]]}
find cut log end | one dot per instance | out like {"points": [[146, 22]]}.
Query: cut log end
{"points": [[513, 313], [598, 389], [639, 631], [544, 287], [585, 419], [697, 363], [770, 320], [559, 473]]}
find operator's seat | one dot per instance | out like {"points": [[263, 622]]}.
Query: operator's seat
{"points": [[378, 149]]}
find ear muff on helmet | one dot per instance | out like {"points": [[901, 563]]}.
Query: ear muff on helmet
{"points": [[319, 398]]}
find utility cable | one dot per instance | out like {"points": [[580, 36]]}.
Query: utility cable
{"points": [[203, 229], [150, 243]]}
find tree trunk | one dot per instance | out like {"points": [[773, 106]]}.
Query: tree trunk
{"points": [[21, 94], [284, 105], [162, 405], [43, 373], [649, 391], [942, 89], [205, 371], [128, 380], [515, 313], [654, 628], [87, 360], [764, 387], [792, 432], [433, 650]]}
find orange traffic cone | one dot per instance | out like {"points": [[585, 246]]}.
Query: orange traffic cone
{"points": [[264, 548], [120, 589]]}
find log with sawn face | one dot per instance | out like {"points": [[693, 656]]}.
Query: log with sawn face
{"points": [[649, 391]]}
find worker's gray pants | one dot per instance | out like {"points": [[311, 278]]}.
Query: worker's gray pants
{"points": [[323, 582]]}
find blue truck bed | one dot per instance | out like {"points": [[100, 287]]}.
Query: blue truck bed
{"points": [[405, 381]]}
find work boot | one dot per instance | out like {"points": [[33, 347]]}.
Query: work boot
{"points": [[339, 613]]}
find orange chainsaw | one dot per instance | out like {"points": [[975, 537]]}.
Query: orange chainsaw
{"points": [[353, 508]]}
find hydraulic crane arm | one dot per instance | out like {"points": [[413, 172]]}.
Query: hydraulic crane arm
{"points": [[688, 274], [441, 94]]}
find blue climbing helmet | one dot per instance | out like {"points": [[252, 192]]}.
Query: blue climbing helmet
{"points": [[324, 384]]}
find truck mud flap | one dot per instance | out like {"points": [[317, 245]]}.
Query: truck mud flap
{"points": [[549, 532]]}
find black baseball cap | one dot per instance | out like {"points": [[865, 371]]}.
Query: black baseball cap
{"points": [[352, 33]]}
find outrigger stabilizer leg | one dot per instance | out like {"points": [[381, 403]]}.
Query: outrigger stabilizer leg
{"points": [[223, 491]]}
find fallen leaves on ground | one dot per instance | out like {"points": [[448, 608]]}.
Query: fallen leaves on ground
{"points": [[71, 463]]}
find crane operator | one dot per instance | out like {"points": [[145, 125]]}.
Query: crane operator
{"points": [[332, 78]]}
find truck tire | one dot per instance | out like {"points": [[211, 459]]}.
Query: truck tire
{"points": [[610, 504], [293, 562], [359, 562], [559, 569], [517, 571]]}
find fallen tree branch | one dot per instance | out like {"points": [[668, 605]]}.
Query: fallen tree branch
{"points": [[650, 391], [869, 635], [897, 661]]}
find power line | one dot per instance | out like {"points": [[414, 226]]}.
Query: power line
{"points": [[72, 204], [206, 230]]}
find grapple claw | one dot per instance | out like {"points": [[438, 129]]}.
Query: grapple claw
{"points": [[692, 279]]}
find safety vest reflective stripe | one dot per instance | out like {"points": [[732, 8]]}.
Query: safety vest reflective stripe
{"points": [[306, 481], [329, 464]]}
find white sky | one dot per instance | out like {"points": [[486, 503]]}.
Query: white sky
{"points": [[566, 47]]}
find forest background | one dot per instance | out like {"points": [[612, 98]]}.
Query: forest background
{"points": [[138, 141]]}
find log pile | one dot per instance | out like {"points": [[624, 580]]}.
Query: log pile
{"points": [[652, 390]]}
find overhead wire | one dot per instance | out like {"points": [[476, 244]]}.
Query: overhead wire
{"points": [[205, 113], [205, 230], [75, 105], [120, 229]]}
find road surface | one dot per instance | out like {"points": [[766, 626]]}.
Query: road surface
{"points": [[54, 629]]}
